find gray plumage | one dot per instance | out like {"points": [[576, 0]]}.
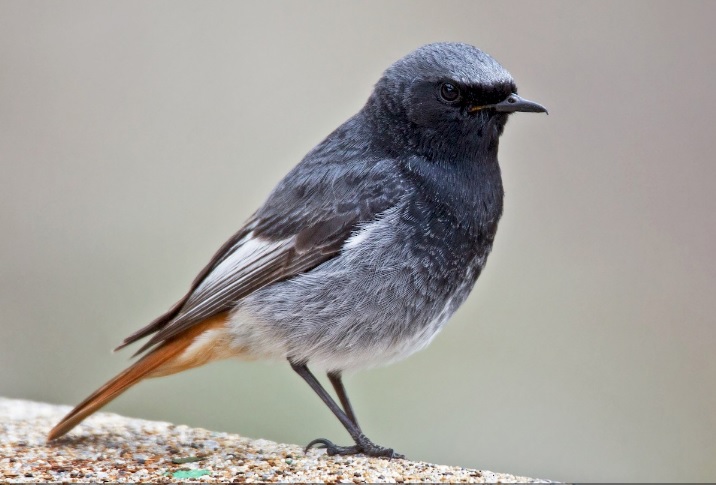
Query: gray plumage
{"points": [[367, 247], [378, 172]]}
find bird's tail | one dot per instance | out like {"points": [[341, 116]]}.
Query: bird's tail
{"points": [[198, 345]]}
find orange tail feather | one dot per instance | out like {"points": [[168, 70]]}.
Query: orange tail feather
{"points": [[166, 359]]}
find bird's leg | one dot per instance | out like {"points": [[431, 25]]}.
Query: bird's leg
{"points": [[336, 379], [362, 443]]}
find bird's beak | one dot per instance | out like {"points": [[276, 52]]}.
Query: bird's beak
{"points": [[511, 104], [515, 103]]}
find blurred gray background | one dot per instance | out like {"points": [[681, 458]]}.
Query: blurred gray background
{"points": [[135, 137]]}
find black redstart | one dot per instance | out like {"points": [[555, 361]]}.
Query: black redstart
{"points": [[363, 251]]}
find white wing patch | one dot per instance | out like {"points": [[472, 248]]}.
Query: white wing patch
{"points": [[250, 251], [251, 255]]}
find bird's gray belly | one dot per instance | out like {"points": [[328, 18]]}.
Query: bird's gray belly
{"points": [[378, 301]]}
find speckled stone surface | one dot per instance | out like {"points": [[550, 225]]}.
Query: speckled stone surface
{"points": [[112, 448]]}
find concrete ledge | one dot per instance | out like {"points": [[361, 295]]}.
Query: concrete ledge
{"points": [[108, 447]]}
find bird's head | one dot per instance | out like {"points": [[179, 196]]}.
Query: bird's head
{"points": [[446, 98]]}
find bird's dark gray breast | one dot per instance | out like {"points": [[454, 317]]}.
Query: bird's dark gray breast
{"points": [[453, 220]]}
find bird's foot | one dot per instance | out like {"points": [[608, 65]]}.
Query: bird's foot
{"points": [[365, 447]]}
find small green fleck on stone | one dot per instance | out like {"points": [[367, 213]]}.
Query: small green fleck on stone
{"points": [[289, 461], [190, 473]]}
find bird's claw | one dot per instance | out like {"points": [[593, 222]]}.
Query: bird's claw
{"points": [[367, 448]]}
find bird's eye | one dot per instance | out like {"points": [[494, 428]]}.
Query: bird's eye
{"points": [[449, 92]]}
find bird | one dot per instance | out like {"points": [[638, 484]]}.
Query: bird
{"points": [[363, 251]]}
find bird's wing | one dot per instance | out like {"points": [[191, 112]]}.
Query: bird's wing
{"points": [[304, 223]]}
